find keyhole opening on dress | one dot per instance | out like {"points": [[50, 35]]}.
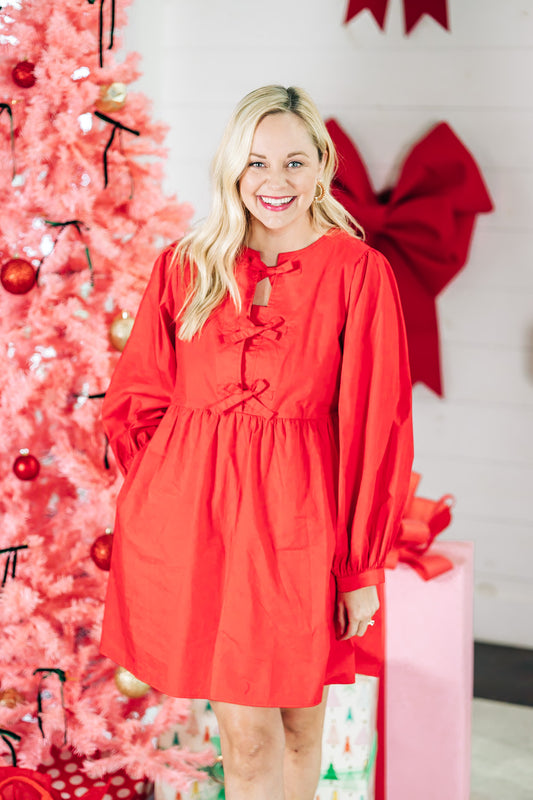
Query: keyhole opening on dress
{"points": [[263, 289]]}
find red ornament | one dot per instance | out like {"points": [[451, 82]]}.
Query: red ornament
{"points": [[101, 550], [22, 74], [18, 276], [26, 466]]}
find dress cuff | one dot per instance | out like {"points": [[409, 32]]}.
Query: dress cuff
{"points": [[370, 577]]}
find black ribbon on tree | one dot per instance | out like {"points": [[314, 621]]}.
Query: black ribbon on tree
{"points": [[120, 127], [4, 734], [101, 28], [76, 223], [45, 672], [11, 560], [7, 107]]}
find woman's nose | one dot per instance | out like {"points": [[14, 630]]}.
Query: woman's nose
{"points": [[276, 178]]}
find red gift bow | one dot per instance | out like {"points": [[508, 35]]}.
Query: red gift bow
{"points": [[18, 783], [423, 226], [25, 784], [422, 522], [413, 10]]}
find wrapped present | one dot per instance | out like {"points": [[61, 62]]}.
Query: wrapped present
{"points": [[199, 731], [422, 649], [429, 678], [349, 743], [70, 782]]}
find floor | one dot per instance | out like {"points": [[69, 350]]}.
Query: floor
{"points": [[502, 724], [502, 751]]}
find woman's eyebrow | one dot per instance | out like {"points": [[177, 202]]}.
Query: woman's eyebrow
{"points": [[289, 155]]}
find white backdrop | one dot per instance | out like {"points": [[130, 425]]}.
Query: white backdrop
{"points": [[387, 90]]}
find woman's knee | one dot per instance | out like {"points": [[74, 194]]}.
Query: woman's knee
{"points": [[303, 728], [302, 739], [251, 740]]}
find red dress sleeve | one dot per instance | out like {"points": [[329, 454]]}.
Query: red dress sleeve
{"points": [[375, 426], [142, 384]]}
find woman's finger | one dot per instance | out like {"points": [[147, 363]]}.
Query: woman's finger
{"points": [[356, 628], [340, 620]]}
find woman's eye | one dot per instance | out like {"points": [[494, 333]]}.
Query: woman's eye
{"points": [[256, 164], [295, 164]]}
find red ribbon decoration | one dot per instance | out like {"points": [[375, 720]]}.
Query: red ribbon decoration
{"points": [[422, 521], [24, 784], [423, 226], [413, 10]]}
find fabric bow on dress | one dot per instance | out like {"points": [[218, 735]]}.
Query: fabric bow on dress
{"points": [[423, 226]]}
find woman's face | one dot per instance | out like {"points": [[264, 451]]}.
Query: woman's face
{"points": [[279, 183]]}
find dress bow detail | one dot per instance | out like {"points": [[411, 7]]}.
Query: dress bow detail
{"points": [[423, 226], [237, 393], [285, 267], [273, 329], [422, 522]]}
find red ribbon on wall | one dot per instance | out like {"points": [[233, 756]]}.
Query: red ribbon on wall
{"points": [[413, 11], [423, 226]]}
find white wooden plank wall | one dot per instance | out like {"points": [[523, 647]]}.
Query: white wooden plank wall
{"points": [[201, 56]]}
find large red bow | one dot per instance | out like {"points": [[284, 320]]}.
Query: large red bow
{"points": [[413, 10], [423, 226], [422, 521]]}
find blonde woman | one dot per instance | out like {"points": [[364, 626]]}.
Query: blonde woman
{"points": [[261, 413]]}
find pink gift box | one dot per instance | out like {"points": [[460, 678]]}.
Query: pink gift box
{"points": [[429, 679]]}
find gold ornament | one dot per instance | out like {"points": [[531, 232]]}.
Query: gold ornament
{"points": [[120, 329], [11, 698], [113, 97], [129, 685]]}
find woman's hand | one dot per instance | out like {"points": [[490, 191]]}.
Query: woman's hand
{"points": [[354, 611]]}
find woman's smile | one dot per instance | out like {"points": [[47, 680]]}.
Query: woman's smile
{"points": [[276, 203]]}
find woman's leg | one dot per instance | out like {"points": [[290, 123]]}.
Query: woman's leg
{"points": [[252, 743], [303, 749]]}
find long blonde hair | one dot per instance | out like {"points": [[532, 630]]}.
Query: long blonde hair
{"points": [[212, 248]]}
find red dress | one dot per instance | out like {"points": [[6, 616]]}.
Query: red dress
{"points": [[267, 461]]}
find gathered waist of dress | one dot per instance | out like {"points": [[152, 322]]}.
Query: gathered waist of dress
{"points": [[267, 418]]}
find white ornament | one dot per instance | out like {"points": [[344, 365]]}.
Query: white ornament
{"points": [[47, 244], [81, 72], [86, 122]]}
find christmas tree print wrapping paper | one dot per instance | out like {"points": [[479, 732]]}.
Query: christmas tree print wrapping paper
{"points": [[349, 746]]}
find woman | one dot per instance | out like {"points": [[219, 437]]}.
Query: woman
{"points": [[261, 413]]}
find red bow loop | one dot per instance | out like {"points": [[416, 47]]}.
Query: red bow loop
{"points": [[422, 522], [423, 226]]}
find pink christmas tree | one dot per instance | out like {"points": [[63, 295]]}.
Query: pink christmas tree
{"points": [[83, 218]]}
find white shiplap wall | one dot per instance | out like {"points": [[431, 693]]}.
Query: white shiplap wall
{"points": [[386, 90]]}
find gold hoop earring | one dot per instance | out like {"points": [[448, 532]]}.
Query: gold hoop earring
{"points": [[320, 192]]}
